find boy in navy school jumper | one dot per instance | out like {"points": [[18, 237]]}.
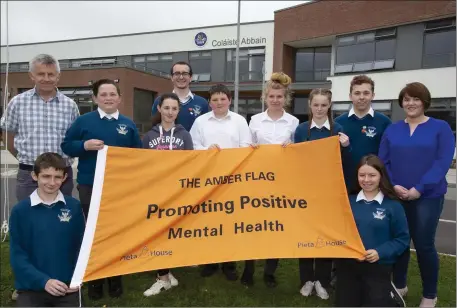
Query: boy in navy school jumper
{"points": [[46, 232], [382, 225], [192, 106], [362, 124], [316, 273], [90, 133]]}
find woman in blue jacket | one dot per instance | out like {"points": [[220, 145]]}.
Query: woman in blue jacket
{"points": [[316, 273], [418, 153], [383, 228]]}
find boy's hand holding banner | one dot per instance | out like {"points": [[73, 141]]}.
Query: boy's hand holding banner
{"points": [[165, 209]]}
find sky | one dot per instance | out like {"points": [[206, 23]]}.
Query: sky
{"points": [[43, 21]]}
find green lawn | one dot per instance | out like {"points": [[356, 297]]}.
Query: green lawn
{"points": [[216, 291]]}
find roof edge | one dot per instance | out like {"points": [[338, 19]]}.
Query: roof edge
{"points": [[140, 33]]}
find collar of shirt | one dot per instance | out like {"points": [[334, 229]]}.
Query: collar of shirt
{"points": [[379, 197], [189, 96], [326, 124], [227, 116], [370, 112], [59, 96], [266, 117], [35, 199], [109, 116]]}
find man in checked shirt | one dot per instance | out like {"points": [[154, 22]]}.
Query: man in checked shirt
{"points": [[36, 121]]}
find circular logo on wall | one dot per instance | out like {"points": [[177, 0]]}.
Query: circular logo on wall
{"points": [[200, 39]]}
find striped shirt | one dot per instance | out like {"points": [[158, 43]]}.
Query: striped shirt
{"points": [[39, 126]]}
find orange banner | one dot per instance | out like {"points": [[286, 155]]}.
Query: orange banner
{"points": [[165, 209]]}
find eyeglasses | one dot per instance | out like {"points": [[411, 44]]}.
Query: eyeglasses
{"points": [[183, 74]]}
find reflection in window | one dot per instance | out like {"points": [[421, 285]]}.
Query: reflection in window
{"points": [[160, 63], [251, 64], [355, 53], [439, 44], [313, 64], [201, 65]]}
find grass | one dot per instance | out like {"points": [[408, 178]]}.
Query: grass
{"points": [[216, 291]]}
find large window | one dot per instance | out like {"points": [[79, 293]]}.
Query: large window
{"points": [[247, 107], [439, 44], [201, 65], [82, 97], [444, 109], [313, 64], [251, 64], [366, 51], [161, 63]]}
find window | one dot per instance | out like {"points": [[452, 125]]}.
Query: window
{"points": [[363, 52], [439, 44], [251, 64], [248, 107], [312, 64], [201, 65], [158, 63], [93, 62], [444, 109]]}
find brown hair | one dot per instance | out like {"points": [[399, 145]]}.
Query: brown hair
{"points": [[418, 90], [49, 160], [361, 79], [384, 184], [328, 94], [157, 117], [278, 80]]}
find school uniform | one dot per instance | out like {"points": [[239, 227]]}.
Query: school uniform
{"points": [[230, 131], [114, 130], [177, 138], [382, 226], [319, 269], [265, 130], [45, 239], [365, 136]]}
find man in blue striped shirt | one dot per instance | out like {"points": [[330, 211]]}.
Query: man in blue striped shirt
{"points": [[36, 121]]}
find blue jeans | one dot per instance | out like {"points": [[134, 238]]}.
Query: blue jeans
{"points": [[423, 216]]}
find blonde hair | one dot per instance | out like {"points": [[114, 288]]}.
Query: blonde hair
{"points": [[278, 80]]}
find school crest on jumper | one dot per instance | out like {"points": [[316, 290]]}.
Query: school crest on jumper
{"points": [[369, 131], [122, 129], [379, 214], [65, 215], [196, 110]]}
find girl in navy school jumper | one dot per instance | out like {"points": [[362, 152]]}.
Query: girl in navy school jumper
{"points": [[316, 273], [90, 133], [274, 126], [166, 135], [418, 152], [382, 225]]}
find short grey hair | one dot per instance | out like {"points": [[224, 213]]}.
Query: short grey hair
{"points": [[44, 59]]}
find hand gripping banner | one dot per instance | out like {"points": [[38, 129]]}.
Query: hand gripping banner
{"points": [[165, 209]]}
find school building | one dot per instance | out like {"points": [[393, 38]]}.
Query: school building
{"points": [[318, 44]]}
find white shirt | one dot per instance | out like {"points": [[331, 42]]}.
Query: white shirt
{"points": [[35, 199], [326, 124], [370, 112], [379, 197], [265, 130], [232, 131], [189, 96], [109, 116]]}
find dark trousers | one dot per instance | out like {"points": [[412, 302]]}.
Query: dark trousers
{"points": [[163, 272], [26, 185], [44, 299], [269, 270], [363, 284], [423, 217], [230, 266], [85, 194], [315, 270]]}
